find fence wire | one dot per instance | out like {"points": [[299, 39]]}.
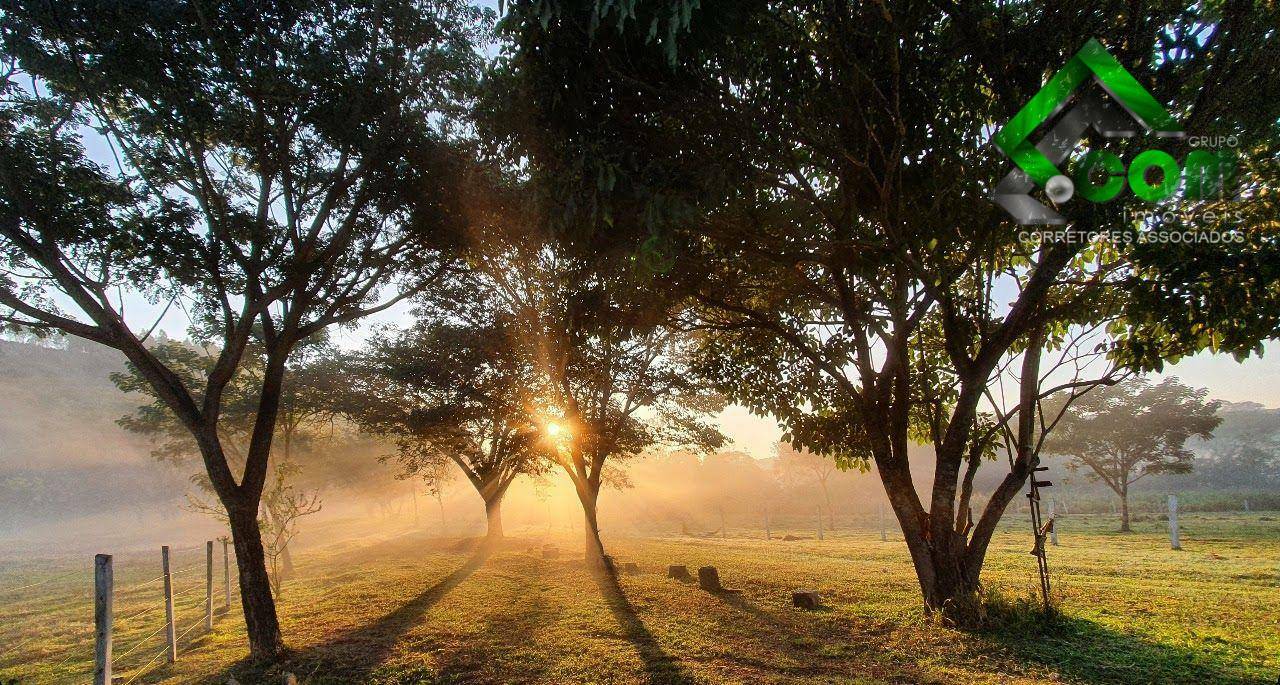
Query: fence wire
{"points": [[84, 648]]}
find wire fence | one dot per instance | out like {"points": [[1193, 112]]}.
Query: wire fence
{"points": [[64, 608]]}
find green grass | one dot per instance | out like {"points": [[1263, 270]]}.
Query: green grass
{"points": [[407, 608]]}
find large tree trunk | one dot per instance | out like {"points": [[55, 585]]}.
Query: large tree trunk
{"points": [[493, 514], [255, 585], [492, 488], [950, 574], [261, 623], [588, 494]]}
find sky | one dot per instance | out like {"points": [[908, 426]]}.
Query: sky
{"points": [[1256, 379]]}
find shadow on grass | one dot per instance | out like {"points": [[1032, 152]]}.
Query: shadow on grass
{"points": [[788, 640], [1093, 653], [659, 667], [351, 656]]}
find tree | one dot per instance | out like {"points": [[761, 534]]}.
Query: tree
{"points": [[614, 378], [1245, 450], [803, 465], [277, 170], [828, 168], [305, 416], [1132, 430], [460, 391], [618, 394]]}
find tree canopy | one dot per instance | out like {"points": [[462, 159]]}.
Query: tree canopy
{"points": [[826, 173]]}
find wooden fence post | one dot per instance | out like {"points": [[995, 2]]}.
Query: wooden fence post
{"points": [[103, 582], [1173, 523], [1053, 517], [226, 576], [208, 585], [768, 534], [819, 521], [171, 634]]}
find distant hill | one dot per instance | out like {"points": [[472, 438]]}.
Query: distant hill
{"points": [[62, 455], [58, 408]]}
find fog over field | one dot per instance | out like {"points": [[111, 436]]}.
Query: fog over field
{"points": [[73, 481]]}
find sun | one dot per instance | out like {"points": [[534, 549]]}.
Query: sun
{"points": [[553, 429]]}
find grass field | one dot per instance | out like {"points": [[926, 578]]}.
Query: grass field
{"points": [[405, 607]]}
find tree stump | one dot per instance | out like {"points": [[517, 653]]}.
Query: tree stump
{"points": [[709, 579], [680, 573], [631, 568], [806, 600]]}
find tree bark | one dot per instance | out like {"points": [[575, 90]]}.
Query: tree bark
{"points": [[588, 494], [256, 598], [831, 514], [493, 514], [1124, 510]]}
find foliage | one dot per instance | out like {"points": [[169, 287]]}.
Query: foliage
{"points": [[452, 391], [803, 466], [1245, 450]]}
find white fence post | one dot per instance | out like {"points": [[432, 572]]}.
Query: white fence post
{"points": [[1053, 517], [883, 536], [1173, 523], [103, 582]]}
